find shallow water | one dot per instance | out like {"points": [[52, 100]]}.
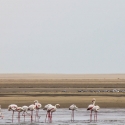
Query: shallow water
{"points": [[63, 117]]}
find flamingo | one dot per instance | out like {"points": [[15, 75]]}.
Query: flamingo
{"points": [[19, 109], [94, 108], [90, 107], [45, 108], [72, 107], [38, 106], [13, 108], [32, 107], [1, 115], [52, 109], [25, 109]]}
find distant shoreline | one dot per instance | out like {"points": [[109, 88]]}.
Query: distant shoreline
{"points": [[60, 76]]}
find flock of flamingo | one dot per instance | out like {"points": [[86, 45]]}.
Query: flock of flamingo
{"points": [[49, 108]]}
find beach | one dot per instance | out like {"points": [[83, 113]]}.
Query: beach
{"points": [[65, 89]]}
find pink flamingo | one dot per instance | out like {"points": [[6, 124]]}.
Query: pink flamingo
{"points": [[25, 109], [32, 108], [1, 115], [38, 106], [52, 109], [13, 108], [19, 109], [45, 108], [72, 107], [94, 108]]}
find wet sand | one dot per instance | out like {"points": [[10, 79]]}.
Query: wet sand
{"points": [[63, 117]]}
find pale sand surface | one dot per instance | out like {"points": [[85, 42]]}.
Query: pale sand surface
{"points": [[23, 89], [63, 79], [65, 101]]}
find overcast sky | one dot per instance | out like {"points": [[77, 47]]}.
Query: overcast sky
{"points": [[62, 36]]}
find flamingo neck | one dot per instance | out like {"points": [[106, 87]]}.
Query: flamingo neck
{"points": [[56, 105], [35, 102], [93, 102]]}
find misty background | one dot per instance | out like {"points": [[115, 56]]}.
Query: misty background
{"points": [[62, 36]]}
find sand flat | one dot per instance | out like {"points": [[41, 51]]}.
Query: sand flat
{"points": [[65, 101], [22, 89]]}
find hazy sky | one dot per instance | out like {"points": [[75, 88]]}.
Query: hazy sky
{"points": [[62, 36]]}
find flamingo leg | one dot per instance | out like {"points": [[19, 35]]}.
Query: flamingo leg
{"points": [[96, 116], [91, 116], [51, 118], [12, 116], [23, 115], [31, 116], [35, 117], [71, 115], [18, 116], [38, 115], [46, 116], [28, 113], [1, 116]]}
